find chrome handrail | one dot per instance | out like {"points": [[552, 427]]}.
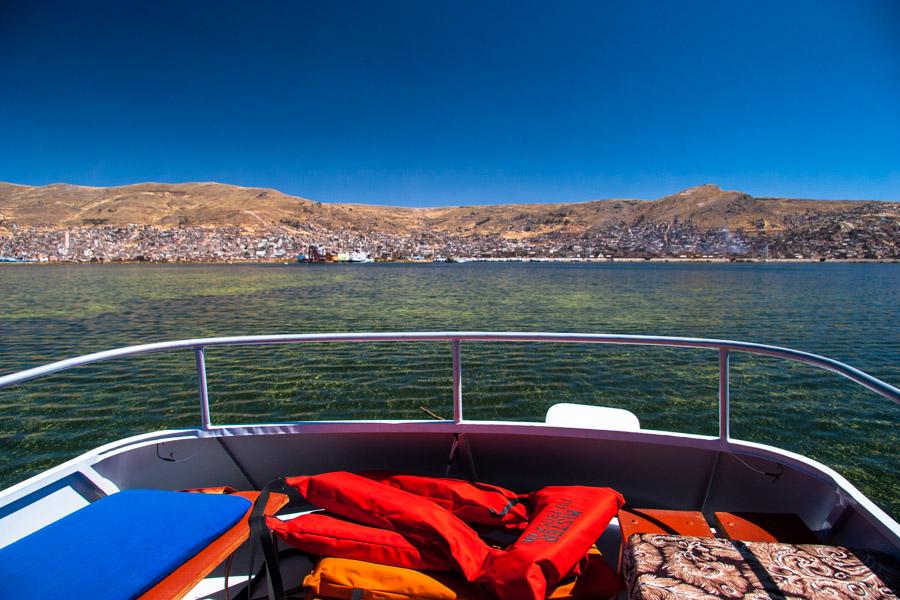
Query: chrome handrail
{"points": [[724, 348]]}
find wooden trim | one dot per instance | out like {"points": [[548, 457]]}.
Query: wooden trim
{"points": [[654, 520], [765, 527], [651, 520], [192, 572]]}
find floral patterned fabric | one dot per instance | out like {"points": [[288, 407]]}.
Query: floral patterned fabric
{"points": [[673, 567]]}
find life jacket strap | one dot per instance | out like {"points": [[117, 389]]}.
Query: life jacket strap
{"points": [[509, 505], [260, 531]]}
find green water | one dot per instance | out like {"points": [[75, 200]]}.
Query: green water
{"points": [[848, 312]]}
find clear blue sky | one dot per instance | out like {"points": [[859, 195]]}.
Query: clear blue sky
{"points": [[433, 103]]}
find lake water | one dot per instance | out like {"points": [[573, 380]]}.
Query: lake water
{"points": [[848, 312]]}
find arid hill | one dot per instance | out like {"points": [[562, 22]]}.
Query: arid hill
{"points": [[177, 205], [256, 209]]}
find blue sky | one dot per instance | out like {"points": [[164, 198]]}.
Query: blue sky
{"points": [[437, 103]]}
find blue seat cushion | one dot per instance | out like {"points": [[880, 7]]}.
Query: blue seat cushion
{"points": [[118, 547]]}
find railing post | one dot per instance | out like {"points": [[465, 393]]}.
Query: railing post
{"points": [[724, 396], [205, 421], [457, 383]]}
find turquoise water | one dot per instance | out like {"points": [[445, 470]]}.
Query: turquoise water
{"points": [[848, 312]]}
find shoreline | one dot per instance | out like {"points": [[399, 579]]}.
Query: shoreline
{"points": [[604, 261]]}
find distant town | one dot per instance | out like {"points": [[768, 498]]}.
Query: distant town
{"points": [[859, 235]]}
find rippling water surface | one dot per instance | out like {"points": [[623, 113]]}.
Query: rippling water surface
{"points": [[848, 312]]}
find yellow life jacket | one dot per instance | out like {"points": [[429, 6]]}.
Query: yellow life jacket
{"points": [[347, 579]]}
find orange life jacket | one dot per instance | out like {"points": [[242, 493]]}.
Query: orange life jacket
{"points": [[475, 503], [565, 522], [422, 522], [323, 535], [402, 528]]}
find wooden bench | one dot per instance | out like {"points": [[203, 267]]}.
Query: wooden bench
{"points": [[764, 527], [134, 543], [685, 568], [187, 576], [655, 520]]}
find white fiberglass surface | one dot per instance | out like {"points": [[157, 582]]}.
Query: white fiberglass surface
{"points": [[651, 469], [39, 514]]}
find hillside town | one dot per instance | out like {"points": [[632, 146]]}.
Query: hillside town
{"points": [[861, 234]]}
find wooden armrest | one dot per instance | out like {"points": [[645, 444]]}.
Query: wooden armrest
{"points": [[188, 575]]}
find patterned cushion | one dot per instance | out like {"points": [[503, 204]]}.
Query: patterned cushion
{"points": [[673, 567]]}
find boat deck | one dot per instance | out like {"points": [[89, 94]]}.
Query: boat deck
{"points": [[587, 446]]}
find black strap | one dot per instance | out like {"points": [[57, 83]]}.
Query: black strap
{"points": [[454, 446], [245, 592], [506, 508], [260, 531]]}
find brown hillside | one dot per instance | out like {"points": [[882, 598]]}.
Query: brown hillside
{"points": [[214, 204], [709, 207]]}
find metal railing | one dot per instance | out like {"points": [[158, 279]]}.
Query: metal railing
{"points": [[724, 347]]}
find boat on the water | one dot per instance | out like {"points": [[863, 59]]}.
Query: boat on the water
{"points": [[13, 259], [703, 495]]}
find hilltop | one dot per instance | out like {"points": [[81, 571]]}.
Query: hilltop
{"points": [[169, 205], [654, 227], [221, 205]]}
